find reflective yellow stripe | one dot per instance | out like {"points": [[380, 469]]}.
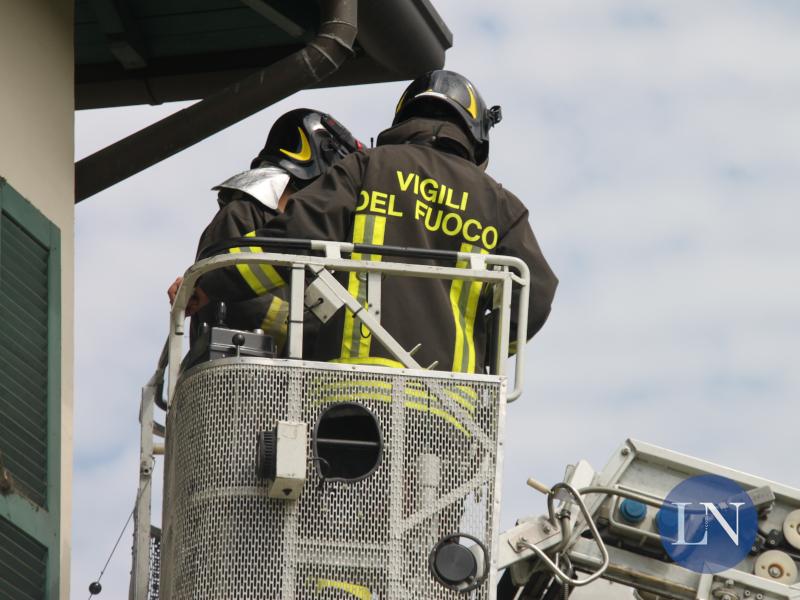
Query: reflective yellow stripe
{"points": [[352, 396], [353, 286], [272, 321], [417, 390], [369, 360], [276, 321], [456, 288], [378, 234], [475, 288], [464, 297], [268, 270], [426, 396], [439, 413], [356, 339], [512, 348], [262, 278], [374, 397], [459, 396], [376, 391], [357, 591], [248, 275], [276, 280], [467, 391], [461, 393], [363, 383]]}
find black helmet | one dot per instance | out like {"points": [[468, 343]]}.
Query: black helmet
{"points": [[456, 96], [305, 143]]}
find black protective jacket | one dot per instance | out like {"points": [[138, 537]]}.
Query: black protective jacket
{"points": [[239, 215], [419, 187]]}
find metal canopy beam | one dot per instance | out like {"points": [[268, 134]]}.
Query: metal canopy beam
{"points": [[321, 57], [122, 34]]}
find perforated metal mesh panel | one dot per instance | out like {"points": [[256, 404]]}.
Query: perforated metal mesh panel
{"points": [[370, 539], [155, 564]]}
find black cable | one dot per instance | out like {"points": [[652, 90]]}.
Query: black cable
{"points": [[121, 533]]}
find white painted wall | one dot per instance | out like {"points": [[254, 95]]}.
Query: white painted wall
{"points": [[36, 158]]}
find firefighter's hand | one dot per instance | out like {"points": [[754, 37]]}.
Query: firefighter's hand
{"points": [[198, 300], [172, 291]]}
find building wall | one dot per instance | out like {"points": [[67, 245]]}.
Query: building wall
{"points": [[36, 158]]}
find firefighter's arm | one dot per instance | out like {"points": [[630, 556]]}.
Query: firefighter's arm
{"points": [[276, 320], [269, 312], [237, 219], [519, 241]]}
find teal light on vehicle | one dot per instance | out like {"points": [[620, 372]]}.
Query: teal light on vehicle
{"points": [[632, 511]]}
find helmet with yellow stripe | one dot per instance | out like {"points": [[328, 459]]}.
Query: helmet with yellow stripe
{"points": [[305, 142], [443, 94]]}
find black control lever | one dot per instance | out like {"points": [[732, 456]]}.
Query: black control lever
{"points": [[222, 313], [238, 342]]}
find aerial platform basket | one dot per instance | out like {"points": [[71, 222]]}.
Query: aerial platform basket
{"points": [[293, 479]]}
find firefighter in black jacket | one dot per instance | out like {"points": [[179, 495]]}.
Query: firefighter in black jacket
{"points": [[300, 146], [423, 186]]}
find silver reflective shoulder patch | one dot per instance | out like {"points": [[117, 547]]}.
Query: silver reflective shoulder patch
{"points": [[265, 184]]}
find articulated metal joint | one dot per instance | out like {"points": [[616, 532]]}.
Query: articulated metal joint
{"points": [[533, 532]]}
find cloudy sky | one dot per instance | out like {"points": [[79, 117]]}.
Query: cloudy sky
{"points": [[657, 146]]}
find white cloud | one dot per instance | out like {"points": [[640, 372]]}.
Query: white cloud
{"points": [[657, 146]]}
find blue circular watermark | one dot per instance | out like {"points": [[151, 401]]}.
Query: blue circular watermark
{"points": [[707, 524]]}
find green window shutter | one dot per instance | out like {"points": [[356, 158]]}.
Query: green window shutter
{"points": [[23, 358], [23, 564], [30, 400]]}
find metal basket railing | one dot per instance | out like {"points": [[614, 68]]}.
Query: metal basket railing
{"points": [[500, 272]]}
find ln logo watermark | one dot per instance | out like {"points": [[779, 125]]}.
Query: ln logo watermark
{"points": [[707, 524], [712, 508]]}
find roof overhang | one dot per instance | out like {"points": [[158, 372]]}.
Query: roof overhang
{"points": [[237, 57], [154, 51]]}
